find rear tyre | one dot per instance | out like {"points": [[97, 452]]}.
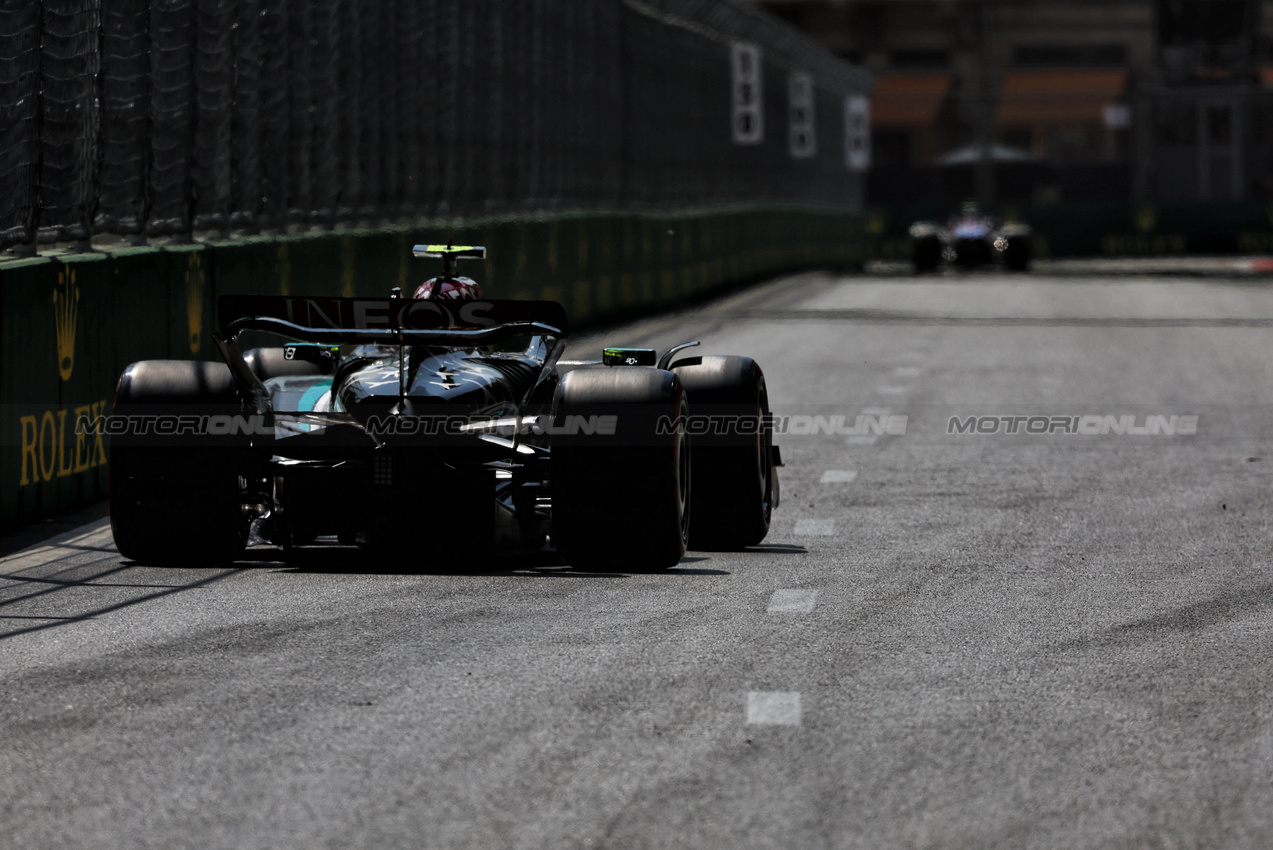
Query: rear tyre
{"points": [[926, 253], [175, 499], [621, 500], [1018, 254], [735, 482]]}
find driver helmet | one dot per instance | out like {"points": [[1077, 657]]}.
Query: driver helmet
{"points": [[450, 289]]}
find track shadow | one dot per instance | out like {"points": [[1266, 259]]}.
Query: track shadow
{"points": [[355, 561], [44, 531], [106, 574], [53, 621]]}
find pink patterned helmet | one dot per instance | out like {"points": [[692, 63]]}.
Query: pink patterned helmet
{"points": [[451, 288]]}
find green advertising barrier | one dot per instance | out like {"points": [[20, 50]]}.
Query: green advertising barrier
{"points": [[58, 366], [70, 324]]}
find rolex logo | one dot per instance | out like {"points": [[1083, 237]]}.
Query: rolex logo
{"points": [[194, 299], [66, 302]]}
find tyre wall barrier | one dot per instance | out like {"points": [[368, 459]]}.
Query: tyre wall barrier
{"points": [[1102, 230], [70, 323]]}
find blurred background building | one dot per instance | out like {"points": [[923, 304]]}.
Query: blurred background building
{"points": [[1042, 101]]}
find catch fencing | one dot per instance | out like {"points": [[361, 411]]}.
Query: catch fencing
{"points": [[160, 118]]}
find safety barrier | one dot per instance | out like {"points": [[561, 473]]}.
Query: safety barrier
{"points": [[69, 324]]}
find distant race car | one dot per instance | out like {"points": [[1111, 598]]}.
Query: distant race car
{"points": [[969, 241], [439, 428]]}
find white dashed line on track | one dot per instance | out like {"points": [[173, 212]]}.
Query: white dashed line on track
{"points": [[793, 601], [890, 390], [838, 476], [907, 371], [861, 440], [773, 708], [815, 527]]}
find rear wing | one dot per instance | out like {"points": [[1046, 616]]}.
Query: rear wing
{"points": [[385, 321], [390, 321]]}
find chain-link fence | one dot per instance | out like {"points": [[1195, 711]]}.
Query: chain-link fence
{"points": [[147, 118]]}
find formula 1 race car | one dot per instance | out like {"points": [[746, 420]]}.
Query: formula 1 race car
{"points": [[439, 429], [969, 241]]}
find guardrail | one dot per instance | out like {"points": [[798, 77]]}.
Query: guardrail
{"points": [[69, 324]]}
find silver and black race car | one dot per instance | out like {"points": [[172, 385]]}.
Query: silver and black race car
{"points": [[438, 430], [971, 240]]}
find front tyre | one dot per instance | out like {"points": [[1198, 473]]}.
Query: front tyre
{"points": [[735, 481], [1018, 253]]}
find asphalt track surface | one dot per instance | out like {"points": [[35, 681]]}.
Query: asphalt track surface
{"points": [[948, 640]]}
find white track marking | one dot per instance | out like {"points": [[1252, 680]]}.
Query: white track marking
{"points": [[773, 708], [890, 390], [861, 440], [815, 527], [793, 601], [907, 371], [838, 476]]}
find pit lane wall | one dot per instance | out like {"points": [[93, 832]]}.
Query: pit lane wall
{"points": [[1101, 230], [70, 323]]}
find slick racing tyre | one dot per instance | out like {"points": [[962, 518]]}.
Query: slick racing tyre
{"points": [[174, 498], [735, 482], [1018, 253], [926, 246], [926, 253], [621, 500]]}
